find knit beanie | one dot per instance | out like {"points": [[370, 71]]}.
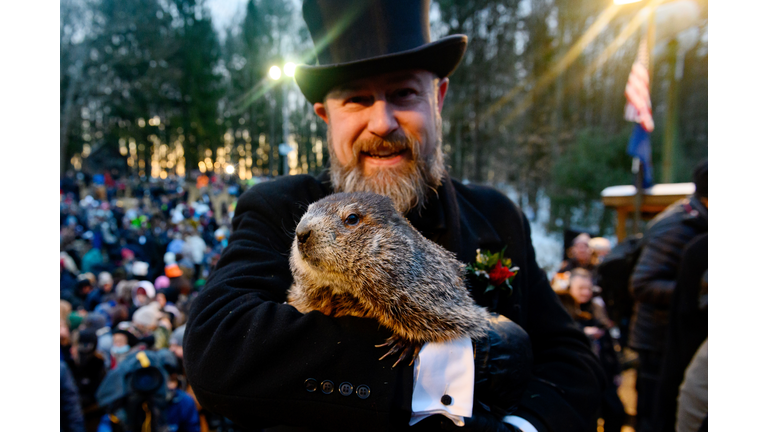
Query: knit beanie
{"points": [[161, 282], [148, 315], [177, 337], [75, 319], [95, 320], [105, 278]]}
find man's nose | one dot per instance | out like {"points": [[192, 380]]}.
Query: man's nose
{"points": [[382, 120]]}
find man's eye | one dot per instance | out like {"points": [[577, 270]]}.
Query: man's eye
{"points": [[405, 93], [358, 100], [352, 219]]}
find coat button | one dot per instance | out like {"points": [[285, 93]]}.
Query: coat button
{"points": [[326, 387], [310, 384], [446, 400], [345, 389], [363, 392]]}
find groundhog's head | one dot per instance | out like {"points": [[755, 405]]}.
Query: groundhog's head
{"points": [[344, 233]]}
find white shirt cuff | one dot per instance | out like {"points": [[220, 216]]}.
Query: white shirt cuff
{"points": [[444, 369], [521, 423]]}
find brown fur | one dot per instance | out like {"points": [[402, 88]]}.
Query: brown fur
{"points": [[380, 268]]}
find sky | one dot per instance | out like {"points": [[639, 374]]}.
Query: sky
{"points": [[223, 12]]}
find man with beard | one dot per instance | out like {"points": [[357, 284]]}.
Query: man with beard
{"points": [[380, 85]]}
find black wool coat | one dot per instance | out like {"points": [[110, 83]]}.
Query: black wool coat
{"points": [[260, 362]]}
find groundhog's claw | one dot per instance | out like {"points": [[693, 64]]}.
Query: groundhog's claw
{"points": [[408, 349]]}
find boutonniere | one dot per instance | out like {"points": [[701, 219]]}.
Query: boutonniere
{"points": [[496, 270]]}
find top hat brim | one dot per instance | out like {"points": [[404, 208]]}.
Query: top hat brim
{"points": [[441, 57]]}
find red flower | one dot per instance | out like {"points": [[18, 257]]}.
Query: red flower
{"points": [[499, 274]]}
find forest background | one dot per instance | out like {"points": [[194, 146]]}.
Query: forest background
{"points": [[151, 87]]}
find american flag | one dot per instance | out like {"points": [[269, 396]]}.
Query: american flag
{"points": [[637, 91]]}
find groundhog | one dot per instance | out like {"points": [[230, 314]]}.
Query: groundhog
{"points": [[354, 254]]}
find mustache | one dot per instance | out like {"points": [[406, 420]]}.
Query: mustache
{"points": [[389, 145]]}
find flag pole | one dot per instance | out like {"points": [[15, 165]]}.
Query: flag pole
{"points": [[637, 165]]}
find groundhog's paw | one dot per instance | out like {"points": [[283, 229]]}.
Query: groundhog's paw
{"points": [[398, 344]]}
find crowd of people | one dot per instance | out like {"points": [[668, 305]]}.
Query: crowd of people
{"points": [[134, 258], [134, 255], [644, 306]]}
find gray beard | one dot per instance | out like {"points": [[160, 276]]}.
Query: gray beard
{"points": [[407, 186]]}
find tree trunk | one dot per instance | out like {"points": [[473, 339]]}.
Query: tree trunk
{"points": [[69, 107]]}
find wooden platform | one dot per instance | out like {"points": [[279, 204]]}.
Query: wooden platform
{"points": [[655, 200]]}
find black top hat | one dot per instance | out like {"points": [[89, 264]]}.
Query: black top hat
{"points": [[360, 38]]}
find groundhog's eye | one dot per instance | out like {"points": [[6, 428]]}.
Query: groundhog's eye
{"points": [[352, 219]]}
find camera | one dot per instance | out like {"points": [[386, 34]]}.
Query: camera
{"points": [[135, 393]]}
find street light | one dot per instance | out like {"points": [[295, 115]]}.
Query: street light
{"points": [[289, 69], [274, 73], [230, 169]]}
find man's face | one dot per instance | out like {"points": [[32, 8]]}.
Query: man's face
{"points": [[384, 135]]}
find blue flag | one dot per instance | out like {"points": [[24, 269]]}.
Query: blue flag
{"points": [[640, 147]]}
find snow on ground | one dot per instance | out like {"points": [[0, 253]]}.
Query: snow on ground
{"points": [[547, 245]]}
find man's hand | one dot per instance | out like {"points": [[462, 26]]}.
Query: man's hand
{"points": [[503, 362]]}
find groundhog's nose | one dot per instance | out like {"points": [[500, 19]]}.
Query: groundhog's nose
{"points": [[303, 234]]}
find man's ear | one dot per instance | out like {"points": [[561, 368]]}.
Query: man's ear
{"points": [[442, 89], [321, 111]]}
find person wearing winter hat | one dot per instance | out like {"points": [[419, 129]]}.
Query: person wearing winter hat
{"points": [[152, 322], [161, 282], [169, 258], [124, 291], [140, 269], [101, 293], [143, 293], [74, 319], [88, 372], [176, 345], [97, 321], [76, 298], [173, 270], [125, 339], [146, 318]]}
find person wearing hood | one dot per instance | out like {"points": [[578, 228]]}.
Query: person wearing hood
{"points": [[93, 260], [70, 412], [88, 373], [176, 245], [98, 322], [142, 294], [77, 297], [652, 286], [194, 251]]}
